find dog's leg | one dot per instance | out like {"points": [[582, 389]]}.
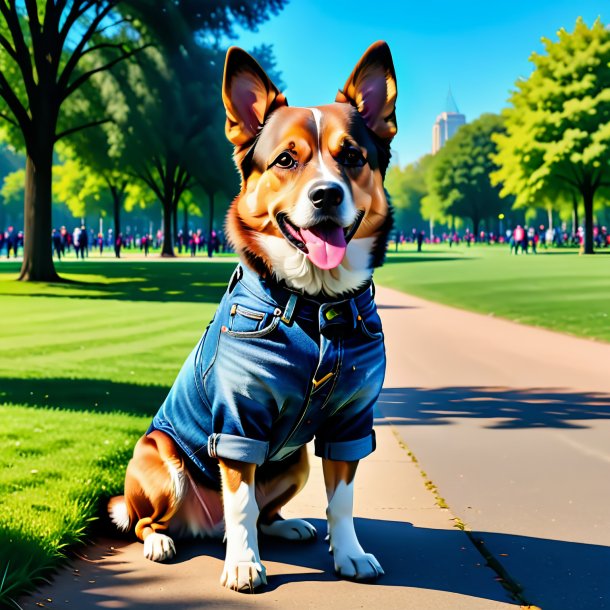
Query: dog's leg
{"points": [[155, 487], [243, 570], [272, 493], [350, 559]]}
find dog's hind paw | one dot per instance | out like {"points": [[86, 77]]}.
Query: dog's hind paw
{"points": [[244, 576], [361, 567], [290, 529], [159, 547]]}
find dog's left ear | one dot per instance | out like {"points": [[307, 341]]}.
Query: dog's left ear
{"points": [[248, 95], [371, 88]]}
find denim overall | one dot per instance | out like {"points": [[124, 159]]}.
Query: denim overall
{"points": [[273, 370]]}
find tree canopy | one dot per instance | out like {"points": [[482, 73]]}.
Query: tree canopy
{"points": [[50, 50], [558, 125]]}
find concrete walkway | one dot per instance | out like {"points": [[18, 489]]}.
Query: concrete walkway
{"points": [[510, 423], [429, 563]]}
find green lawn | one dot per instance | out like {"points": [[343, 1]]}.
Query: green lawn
{"points": [[556, 289], [83, 366], [79, 379]]}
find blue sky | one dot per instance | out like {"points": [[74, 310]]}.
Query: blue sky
{"points": [[477, 48]]}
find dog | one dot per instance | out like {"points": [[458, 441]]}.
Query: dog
{"points": [[295, 350]]}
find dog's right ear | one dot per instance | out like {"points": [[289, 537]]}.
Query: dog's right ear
{"points": [[249, 96]]}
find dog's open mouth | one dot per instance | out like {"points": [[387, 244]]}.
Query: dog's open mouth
{"points": [[323, 244]]}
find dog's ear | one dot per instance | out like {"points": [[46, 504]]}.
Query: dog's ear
{"points": [[248, 95], [371, 88]]}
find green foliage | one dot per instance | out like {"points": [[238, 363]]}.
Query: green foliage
{"points": [[558, 126], [12, 188], [460, 174], [410, 193]]}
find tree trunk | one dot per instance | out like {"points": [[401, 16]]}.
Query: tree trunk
{"points": [[587, 197], [185, 230], [168, 244], [37, 263], [575, 221], [116, 201], [476, 221], [550, 216], [211, 226], [175, 216]]}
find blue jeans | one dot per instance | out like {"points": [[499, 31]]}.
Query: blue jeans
{"points": [[273, 370]]}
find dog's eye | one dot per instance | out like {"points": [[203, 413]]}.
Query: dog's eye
{"points": [[351, 157], [285, 161]]}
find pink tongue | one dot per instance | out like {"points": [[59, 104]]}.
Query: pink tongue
{"points": [[326, 246]]}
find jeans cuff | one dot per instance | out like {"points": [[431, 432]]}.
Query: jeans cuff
{"points": [[346, 451], [237, 448]]}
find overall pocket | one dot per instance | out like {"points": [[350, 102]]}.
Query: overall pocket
{"points": [[247, 323]]}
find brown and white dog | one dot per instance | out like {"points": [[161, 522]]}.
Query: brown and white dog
{"points": [[312, 213]]}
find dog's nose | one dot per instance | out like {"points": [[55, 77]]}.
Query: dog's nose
{"points": [[326, 194]]}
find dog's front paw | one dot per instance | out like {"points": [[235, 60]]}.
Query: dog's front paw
{"points": [[244, 576], [159, 547], [290, 529], [362, 566]]}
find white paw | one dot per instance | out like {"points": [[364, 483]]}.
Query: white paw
{"points": [[358, 567], [243, 576], [290, 529], [159, 547]]}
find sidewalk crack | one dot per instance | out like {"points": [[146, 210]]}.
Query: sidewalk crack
{"points": [[510, 585]]}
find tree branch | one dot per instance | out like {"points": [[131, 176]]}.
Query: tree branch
{"points": [[87, 75], [147, 177], [571, 182], [85, 37], [14, 104], [8, 48], [6, 117], [114, 24], [32, 10], [22, 52], [160, 170], [72, 130]]}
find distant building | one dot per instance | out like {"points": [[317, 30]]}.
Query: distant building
{"points": [[447, 123]]}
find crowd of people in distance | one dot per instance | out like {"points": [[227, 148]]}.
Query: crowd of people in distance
{"points": [[11, 241], [196, 241], [81, 241], [521, 239]]}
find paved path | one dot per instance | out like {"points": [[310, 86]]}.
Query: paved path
{"points": [[509, 422], [512, 424], [429, 564]]}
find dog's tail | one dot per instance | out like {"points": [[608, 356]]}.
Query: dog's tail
{"points": [[119, 513]]}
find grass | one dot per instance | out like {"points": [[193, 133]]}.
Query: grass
{"points": [[556, 289], [83, 367], [79, 379]]}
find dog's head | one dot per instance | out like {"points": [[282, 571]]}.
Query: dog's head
{"points": [[312, 208]]}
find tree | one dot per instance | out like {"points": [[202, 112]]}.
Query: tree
{"points": [[86, 192], [176, 87], [42, 46], [558, 126], [460, 175]]}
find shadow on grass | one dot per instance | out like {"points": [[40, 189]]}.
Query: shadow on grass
{"points": [[185, 281], [95, 395], [510, 408]]}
